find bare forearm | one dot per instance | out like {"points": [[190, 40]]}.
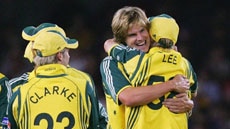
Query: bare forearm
{"points": [[141, 95], [135, 96]]}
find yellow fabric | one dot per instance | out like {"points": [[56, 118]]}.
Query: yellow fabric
{"points": [[32, 37], [163, 27], [79, 74], [112, 48], [28, 51], [1, 76], [51, 42], [116, 113], [71, 71], [112, 85], [159, 64], [63, 97]]}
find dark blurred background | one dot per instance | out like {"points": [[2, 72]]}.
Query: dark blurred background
{"points": [[203, 39]]}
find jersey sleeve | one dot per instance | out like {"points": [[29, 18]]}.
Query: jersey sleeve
{"points": [[18, 81], [191, 75], [99, 115], [113, 77], [124, 53], [5, 93]]}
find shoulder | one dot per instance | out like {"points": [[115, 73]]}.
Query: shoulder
{"points": [[19, 80], [77, 79], [74, 70], [82, 84], [187, 63], [78, 73], [3, 79], [2, 75], [110, 64], [106, 62], [107, 58], [124, 53]]}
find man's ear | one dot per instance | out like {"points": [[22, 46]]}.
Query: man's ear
{"points": [[174, 47], [59, 56]]}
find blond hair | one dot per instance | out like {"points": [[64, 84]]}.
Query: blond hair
{"points": [[125, 18], [39, 61]]}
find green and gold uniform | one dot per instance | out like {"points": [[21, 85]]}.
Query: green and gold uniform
{"points": [[114, 81], [24, 78], [5, 93], [103, 117], [156, 66], [63, 102]]}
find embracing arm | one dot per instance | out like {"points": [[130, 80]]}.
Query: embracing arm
{"points": [[180, 104], [135, 96], [120, 52], [117, 85], [109, 43]]}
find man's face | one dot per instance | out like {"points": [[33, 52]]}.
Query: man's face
{"points": [[138, 37]]}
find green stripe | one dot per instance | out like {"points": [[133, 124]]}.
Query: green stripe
{"points": [[138, 65], [45, 76], [134, 113]]}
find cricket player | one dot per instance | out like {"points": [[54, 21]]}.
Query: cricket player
{"points": [[52, 98], [30, 33], [5, 93], [130, 26], [160, 64]]}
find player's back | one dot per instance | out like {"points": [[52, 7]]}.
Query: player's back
{"points": [[165, 63], [53, 102], [157, 66], [79, 74]]}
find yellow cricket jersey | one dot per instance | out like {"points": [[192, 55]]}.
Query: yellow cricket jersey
{"points": [[55, 100], [25, 77], [102, 115], [114, 81], [157, 66]]}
